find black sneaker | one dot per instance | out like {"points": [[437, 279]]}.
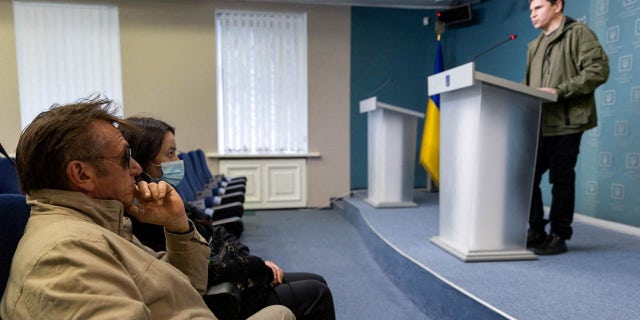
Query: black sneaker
{"points": [[553, 245], [535, 239]]}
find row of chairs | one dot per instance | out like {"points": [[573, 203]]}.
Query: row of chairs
{"points": [[220, 198]]}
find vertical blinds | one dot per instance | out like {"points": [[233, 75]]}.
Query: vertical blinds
{"points": [[65, 52], [262, 82]]}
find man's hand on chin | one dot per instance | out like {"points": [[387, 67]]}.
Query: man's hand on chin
{"points": [[159, 203]]}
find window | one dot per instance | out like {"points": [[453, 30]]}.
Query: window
{"points": [[65, 52], [261, 82]]}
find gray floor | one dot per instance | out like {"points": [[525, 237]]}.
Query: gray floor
{"points": [[322, 241]]}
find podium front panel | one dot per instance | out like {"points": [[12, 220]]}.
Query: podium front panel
{"points": [[391, 155], [508, 134], [488, 144], [459, 127]]}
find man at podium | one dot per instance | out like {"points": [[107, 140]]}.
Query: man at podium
{"points": [[565, 59]]}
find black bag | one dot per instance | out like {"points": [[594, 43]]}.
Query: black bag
{"points": [[230, 261], [222, 238]]}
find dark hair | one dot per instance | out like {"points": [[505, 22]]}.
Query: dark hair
{"points": [[146, 140], [553, 2], [59, 135]]}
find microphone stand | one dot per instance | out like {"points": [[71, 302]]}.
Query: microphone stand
{"points": [[511, 37]]}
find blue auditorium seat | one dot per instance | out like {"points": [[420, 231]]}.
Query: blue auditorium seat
{"points": [[228, 211], [8, 177], [199, 168], [201, 162], [202, 190], [191, 176], [14, 214]]}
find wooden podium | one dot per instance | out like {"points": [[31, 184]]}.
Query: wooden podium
{"points": [[489, 131], [391, 142]]}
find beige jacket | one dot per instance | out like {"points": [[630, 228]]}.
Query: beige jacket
{"points": [[79, 260]]}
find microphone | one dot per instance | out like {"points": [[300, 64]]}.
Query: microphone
{"points": [[511, 37], [380, 87]]}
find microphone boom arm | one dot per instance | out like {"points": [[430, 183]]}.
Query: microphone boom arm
{"points": [[511, 37]]}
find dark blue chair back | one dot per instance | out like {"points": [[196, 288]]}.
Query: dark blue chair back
{"points": [[190, 176], [185, 191], [199, 165], [202, 164], [201, 161], [14, 214], [9, 182]]}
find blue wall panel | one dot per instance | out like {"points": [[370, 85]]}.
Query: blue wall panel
{"points": [[608, 169], [388, 46]]}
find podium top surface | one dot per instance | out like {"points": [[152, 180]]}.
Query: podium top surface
{"points": [[466, 76], [371, 104]]}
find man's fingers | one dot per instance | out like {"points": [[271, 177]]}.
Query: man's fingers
{"points": [[142, 189], [154, 189], [164, 189], [134, 211], [156, 203]]}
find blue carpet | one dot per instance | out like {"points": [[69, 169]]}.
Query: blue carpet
{"points": [[323, 242], [599, 278], [379, 260]]}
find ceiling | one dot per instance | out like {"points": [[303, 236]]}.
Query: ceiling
{"points": [[409, 4]]}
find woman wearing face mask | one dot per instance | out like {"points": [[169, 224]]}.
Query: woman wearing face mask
{"points": [[155, 147], [263, 283]]}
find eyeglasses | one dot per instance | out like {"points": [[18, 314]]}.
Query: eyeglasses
{"points": [[125, 159]]}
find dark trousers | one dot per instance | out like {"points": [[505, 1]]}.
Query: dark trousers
{"points": [[306, 295], [558, 155]]}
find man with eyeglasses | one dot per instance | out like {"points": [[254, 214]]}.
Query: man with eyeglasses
{"points": [[78, 258]]}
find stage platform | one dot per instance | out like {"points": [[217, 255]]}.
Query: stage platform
{"points": [[599, 278]]}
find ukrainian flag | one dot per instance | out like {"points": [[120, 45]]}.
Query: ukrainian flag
{"points": [[430, 149]]}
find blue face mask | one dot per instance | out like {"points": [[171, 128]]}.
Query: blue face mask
{"points": [[172, 172]]}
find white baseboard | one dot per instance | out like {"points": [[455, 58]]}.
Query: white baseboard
{"points": [[614, 226]]}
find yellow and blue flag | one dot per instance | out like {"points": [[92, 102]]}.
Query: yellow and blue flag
{"points": [[430, 149]]}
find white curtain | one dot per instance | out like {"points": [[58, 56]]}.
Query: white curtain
{"points": [[65, 52], [262, 82]]}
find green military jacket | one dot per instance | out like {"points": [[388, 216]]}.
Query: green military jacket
{"points": [[575, 65]]}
